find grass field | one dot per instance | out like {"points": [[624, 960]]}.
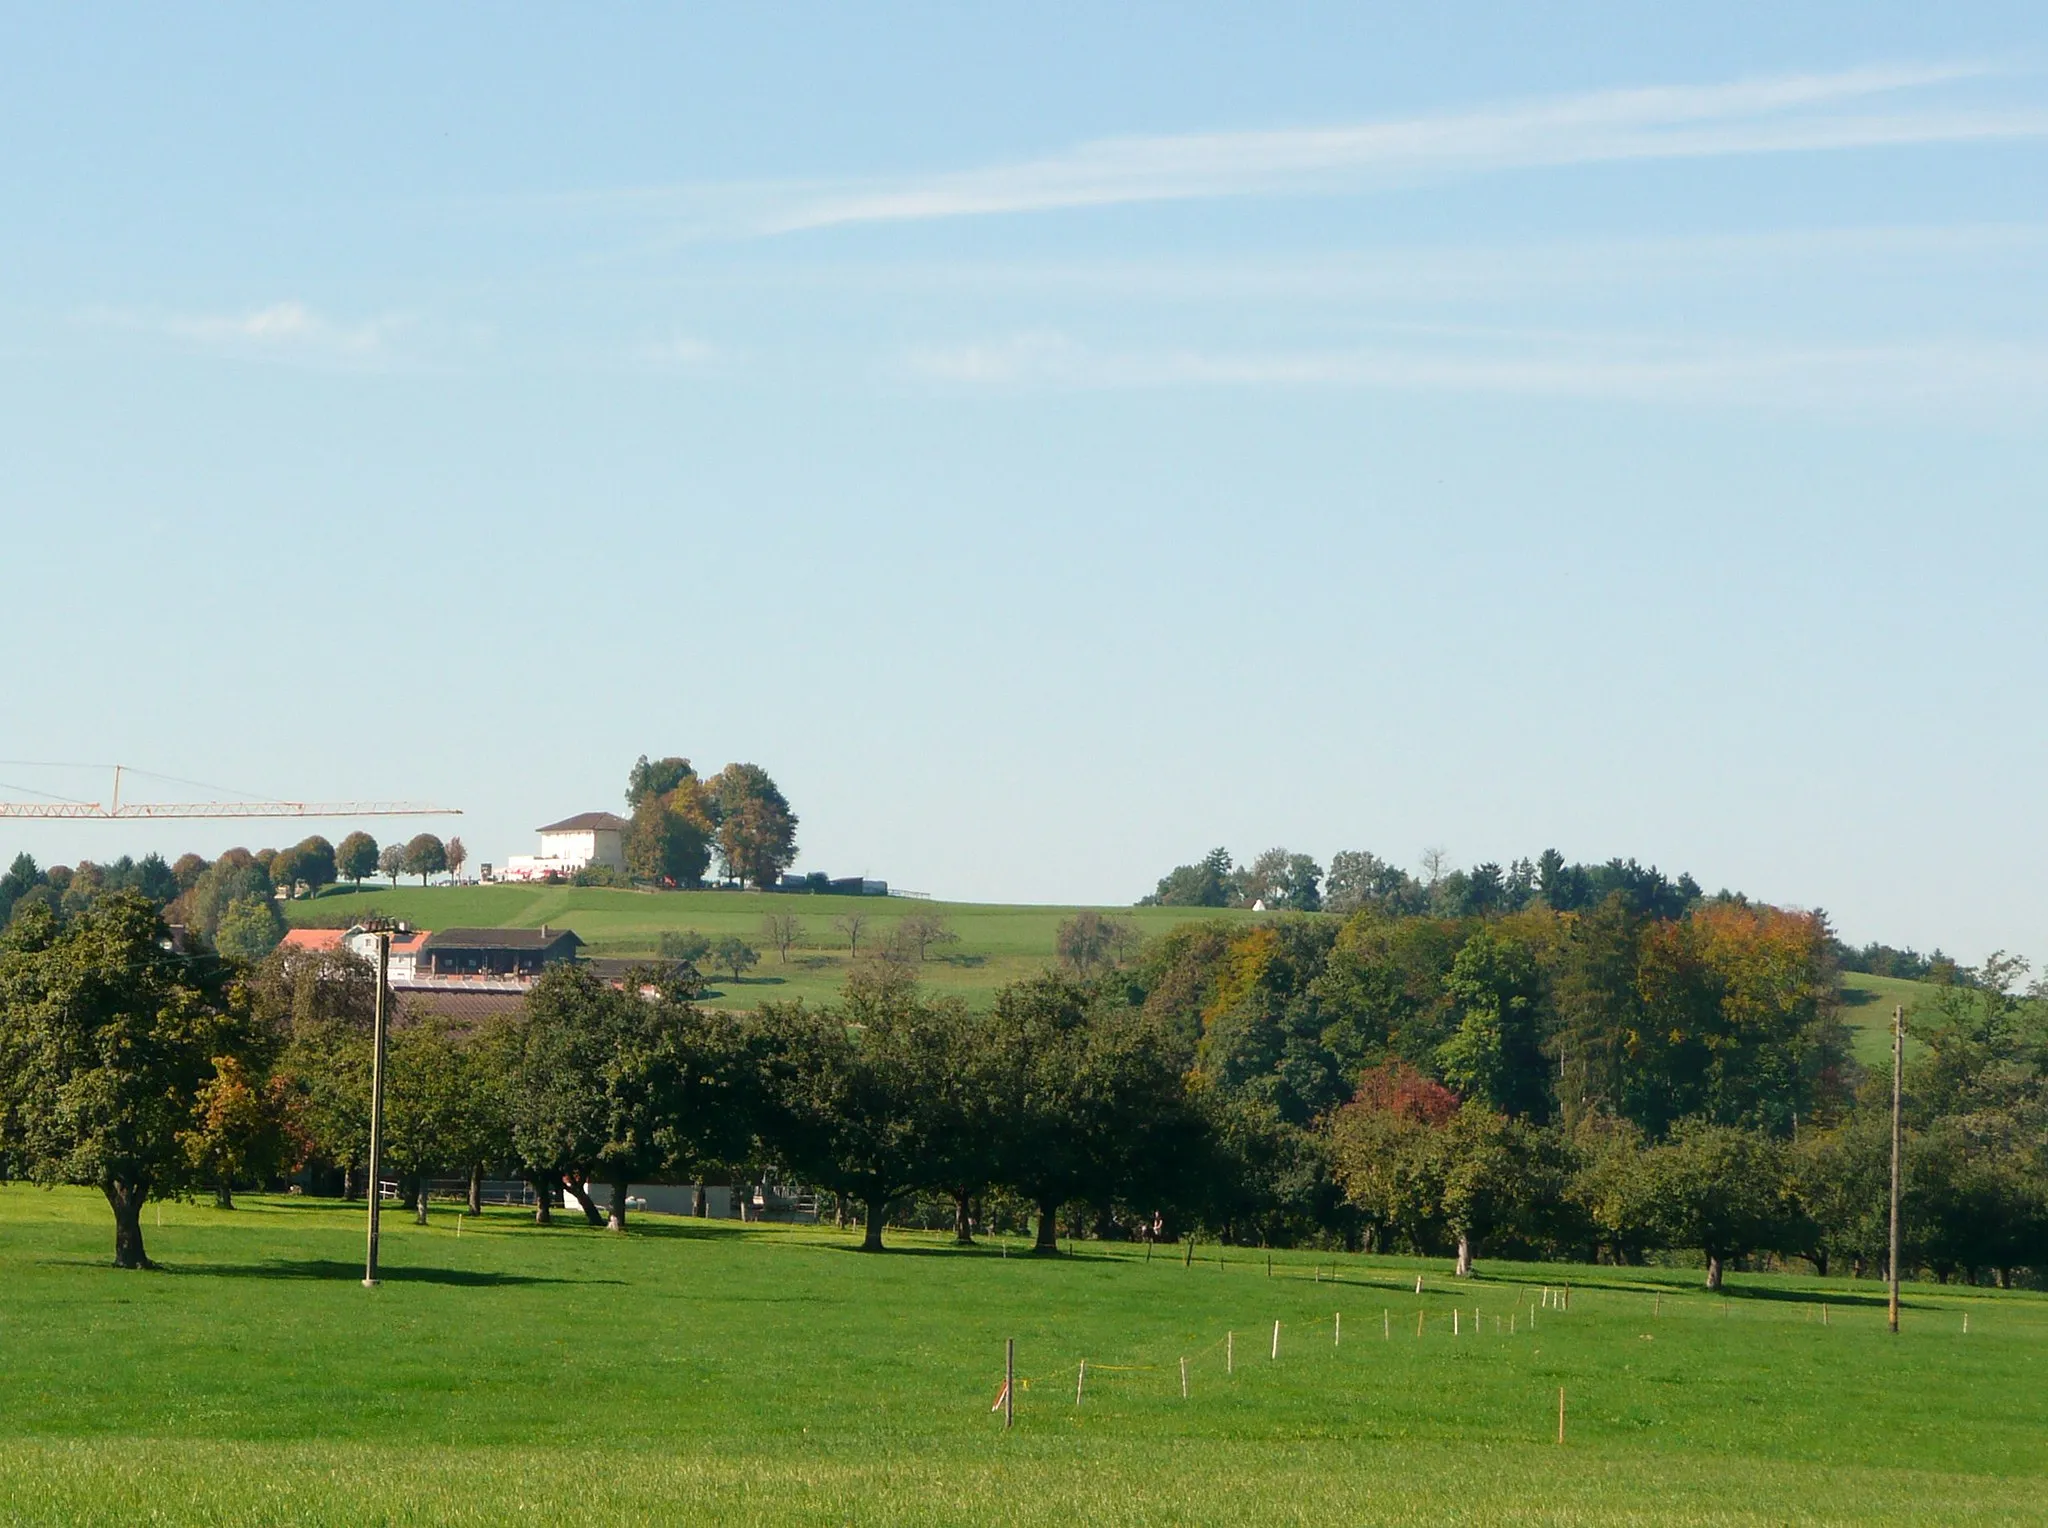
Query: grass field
{"points": [[700, 1372], [998, 943]]}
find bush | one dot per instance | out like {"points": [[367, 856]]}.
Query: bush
{"points": [[598, 875]]}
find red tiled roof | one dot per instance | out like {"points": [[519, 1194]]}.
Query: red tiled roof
{"points": [[313, 938]]}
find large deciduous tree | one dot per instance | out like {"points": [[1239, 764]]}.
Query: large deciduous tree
{"points": [[425, 856], [756, 828], [356, 857], [107, 1041]]}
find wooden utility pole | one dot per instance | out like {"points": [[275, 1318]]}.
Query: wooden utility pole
{"points": [[1898, 1142], [377, 1109]]}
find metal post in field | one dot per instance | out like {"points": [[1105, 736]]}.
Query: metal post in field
{"points": [[377, 1109], [1009, 1382], [1898, 1137]]}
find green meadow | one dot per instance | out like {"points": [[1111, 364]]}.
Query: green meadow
{"points": [[711, 1372], [997, 943]]}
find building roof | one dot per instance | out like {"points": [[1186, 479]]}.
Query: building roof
{"points": [[415, 1003], [586, 822], [502, 939], [313, 938]]}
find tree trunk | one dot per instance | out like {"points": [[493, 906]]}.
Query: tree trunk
{"points": [[618, 1217], [1820, 1263], [1713, 1270], [348, 1181], [871, 1236], [543, 1210], [223, 1195], [697, 1206], [419, 1205], [476, 1190], [963, 1226], [125, 1200], [839, 1212], [578, 1190], [1464, 1254], [1048, 1243]]}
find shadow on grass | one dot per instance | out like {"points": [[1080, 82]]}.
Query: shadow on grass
{"points": [[317, 1269]]}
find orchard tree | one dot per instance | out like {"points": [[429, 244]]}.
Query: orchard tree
{"points": [[108, 1041], [355, 857], [853, 1092], [391, 862], [669, 839], [921, 931], [782, 931], [425, 855], [458, 856], [1722, 1190], [731, 953], [238, 1134], [315, 864]]}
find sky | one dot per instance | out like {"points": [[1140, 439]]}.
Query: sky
{"points": [[1053, 441]]}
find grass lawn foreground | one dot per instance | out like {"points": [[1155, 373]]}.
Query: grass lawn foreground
{"points": [[705, 1371]]}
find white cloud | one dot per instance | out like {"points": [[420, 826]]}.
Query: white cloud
{"points": [[1780, 115], [282, 331], [1556, 365]]}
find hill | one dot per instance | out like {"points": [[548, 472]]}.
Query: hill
{"points": [[998, 943], [697, 1371]]}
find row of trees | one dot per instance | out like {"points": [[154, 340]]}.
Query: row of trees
{"points": [[1282, 880]]}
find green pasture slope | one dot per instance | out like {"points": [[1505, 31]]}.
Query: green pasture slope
{"points": [[708, 1372], [998, 943]]}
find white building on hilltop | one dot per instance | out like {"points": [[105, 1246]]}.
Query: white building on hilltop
{"points": [[573, 844]]}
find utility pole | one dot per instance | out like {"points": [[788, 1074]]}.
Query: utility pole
{"points": [[377, 1109], [1898, 1140]]}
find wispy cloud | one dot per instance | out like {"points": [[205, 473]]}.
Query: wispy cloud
{"points": [[1858, 108], [1558, 365], [678, 352], [280, 331]]}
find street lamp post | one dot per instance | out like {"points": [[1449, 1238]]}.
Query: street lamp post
{"points": [[377, 1109]]}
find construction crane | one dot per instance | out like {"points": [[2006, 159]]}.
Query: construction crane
{"points": [[115, 809]]}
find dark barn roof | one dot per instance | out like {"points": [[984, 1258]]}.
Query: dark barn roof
{"points": [[585, 822], [501, 939]]}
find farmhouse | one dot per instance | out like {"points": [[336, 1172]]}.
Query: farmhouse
{"points": [[573, 844], [493, 957], [405, 946]]}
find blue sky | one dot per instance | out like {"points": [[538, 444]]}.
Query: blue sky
{"points": [[1052, 444]]}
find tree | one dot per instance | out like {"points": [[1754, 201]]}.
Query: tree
{"points": [[731, 953], [856, 1097], [1496, 1055], [668, 842], [425, 855], [852, 925], [391, 862], [650, 781], [1088, 1101], [22, 877], [1082, 942], [920, 931], [1359, 878], [458, 856], [238, 1130], [1283, 880], [248, 930], [1211, 882], [783, 931], [1723, 1190], [314, 863], [756, 828], [615, 1085], [234, 877], [355, 857], [107, 1039], [686, 945]]}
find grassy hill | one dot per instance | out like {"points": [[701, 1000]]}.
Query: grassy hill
{"points": [[998, 943], [696, 1371]]}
